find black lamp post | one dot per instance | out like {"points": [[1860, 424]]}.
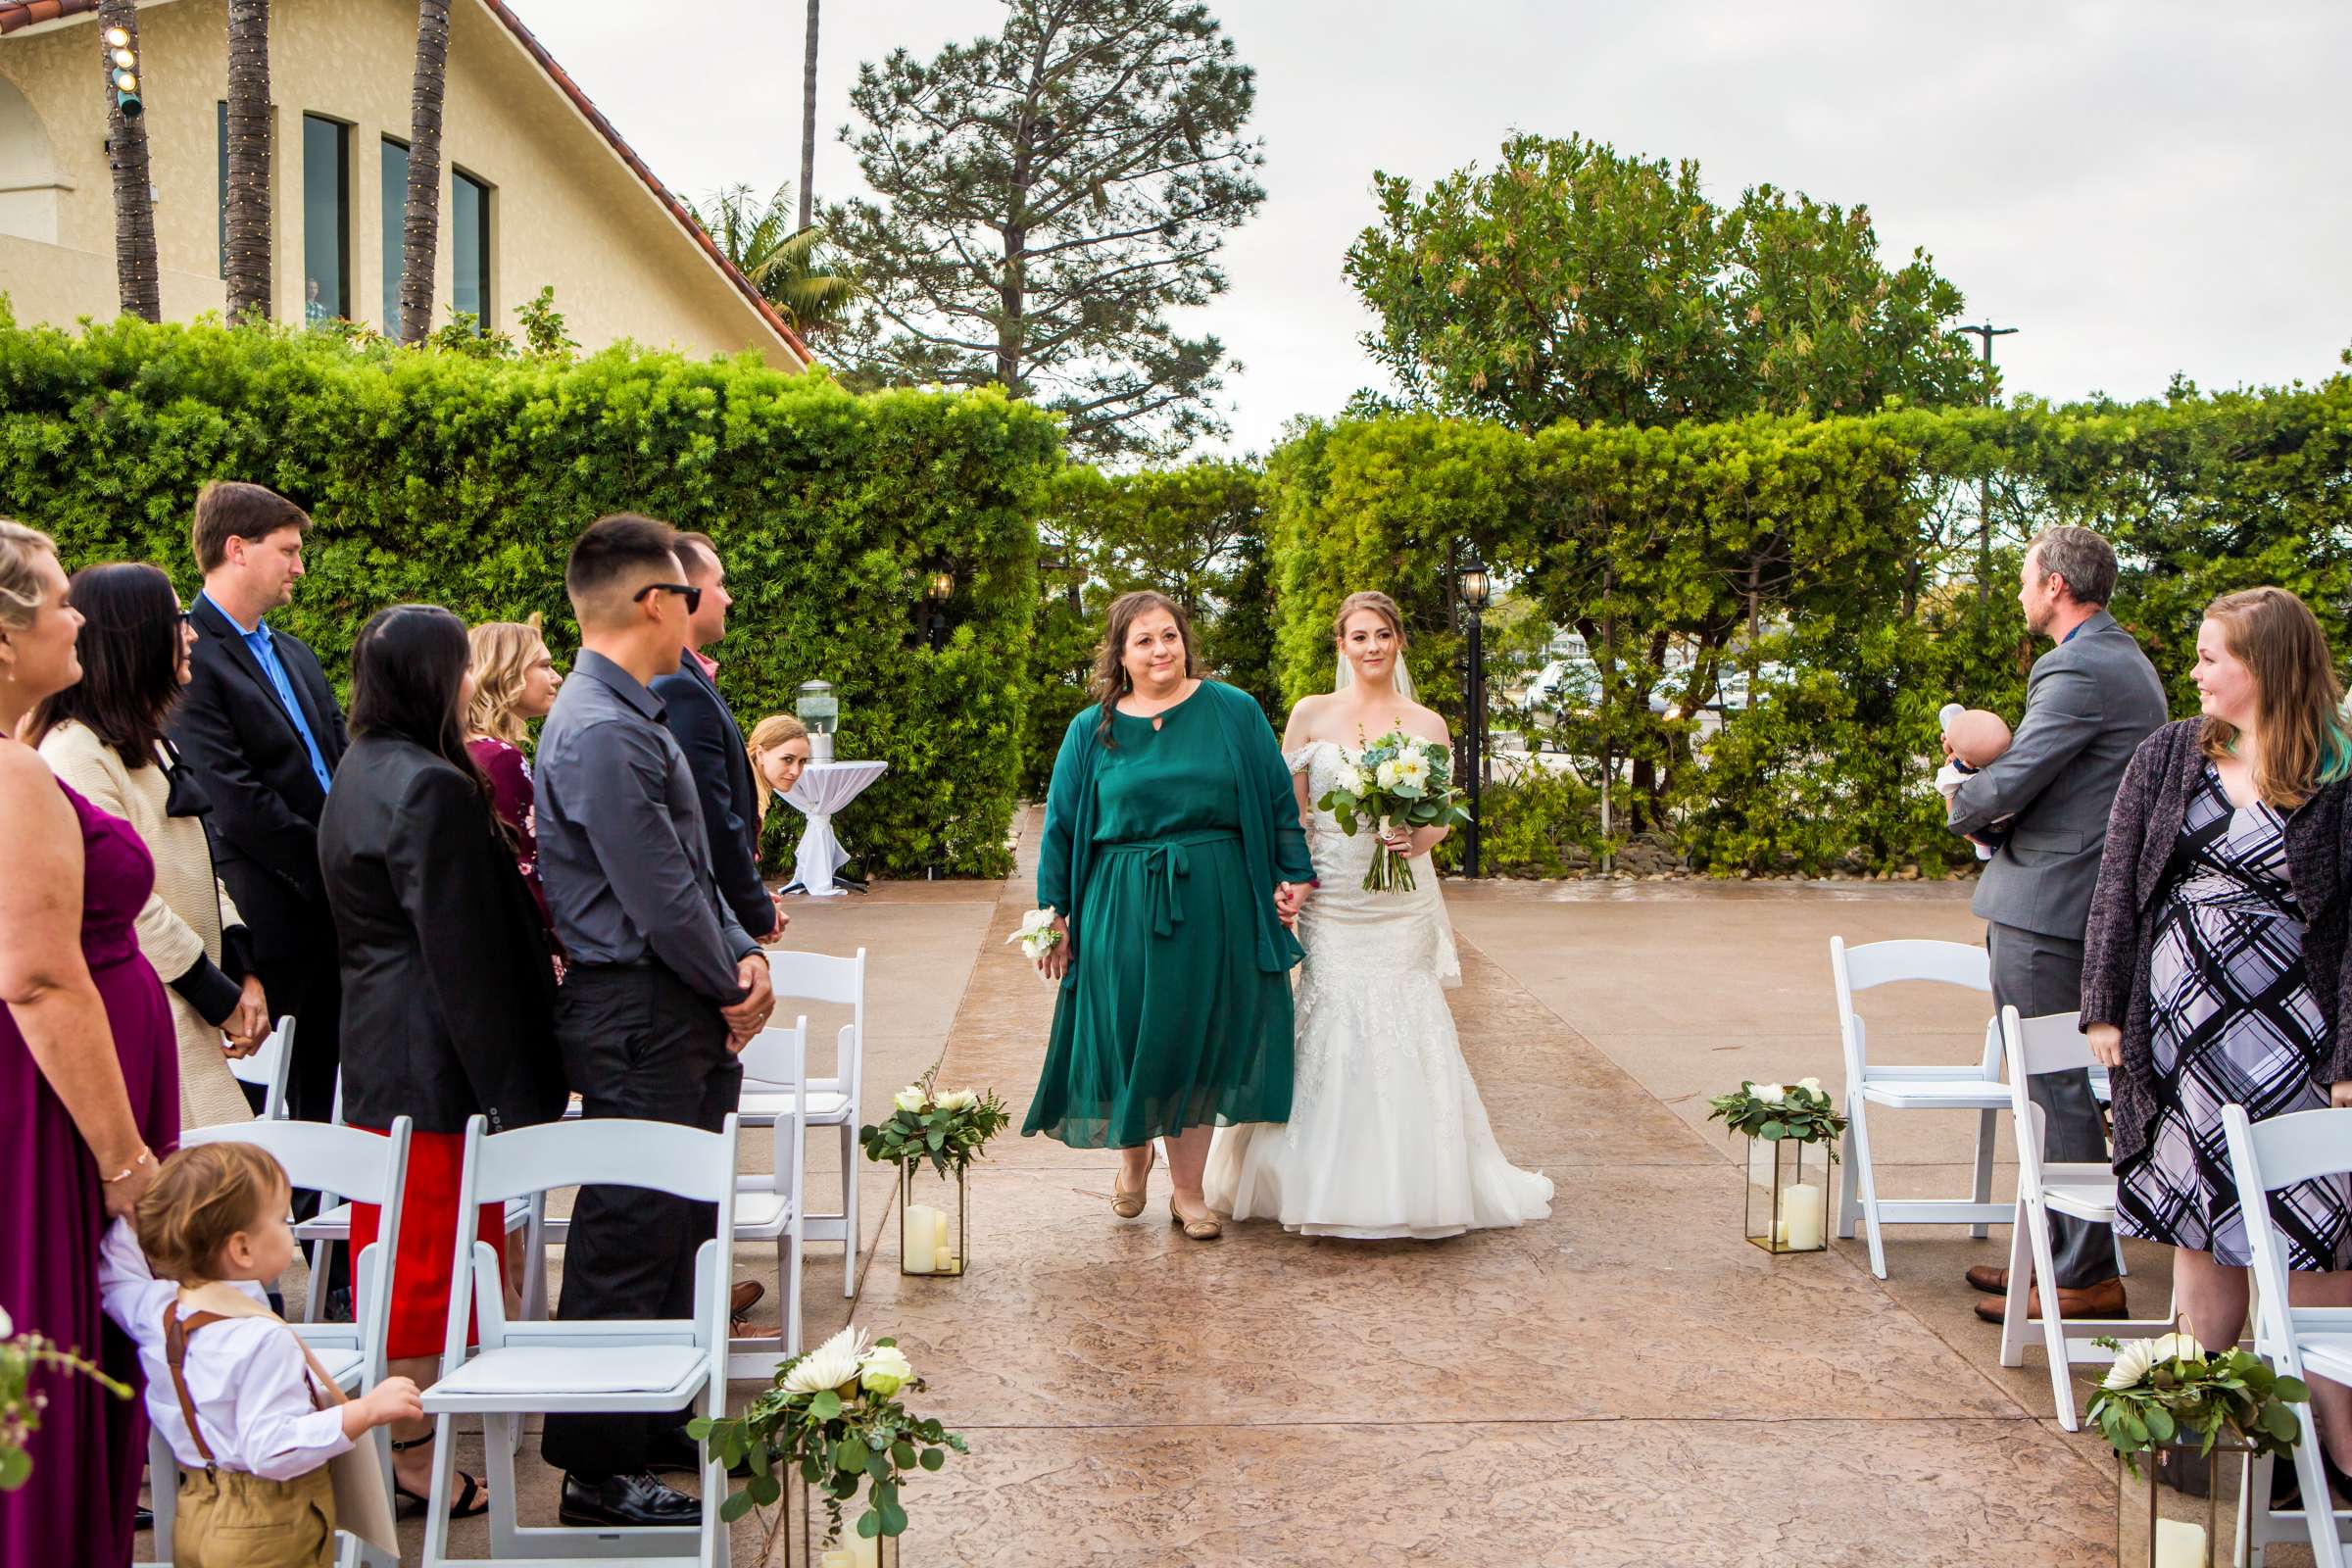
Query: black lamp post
{"points": [[1984, 335], [1475, 587], [936, 594]]}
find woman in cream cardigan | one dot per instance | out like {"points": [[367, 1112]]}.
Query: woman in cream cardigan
{"points": [[105, 738]]}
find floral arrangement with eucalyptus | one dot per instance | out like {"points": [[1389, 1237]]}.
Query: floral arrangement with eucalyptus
{"points": [[947, 1127], [2170, 1390], [20, 1407], [1800, 1113], [835, 1415]]}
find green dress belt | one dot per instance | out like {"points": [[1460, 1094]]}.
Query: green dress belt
{"points": [[1165, 861]]}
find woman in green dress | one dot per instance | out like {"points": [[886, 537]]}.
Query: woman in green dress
{"points": [[1173, 862]]}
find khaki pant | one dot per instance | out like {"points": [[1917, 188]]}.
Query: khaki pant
{"points": [[227, 1519]]}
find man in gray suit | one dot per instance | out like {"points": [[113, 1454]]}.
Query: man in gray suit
{"points": [[2089, 702]]}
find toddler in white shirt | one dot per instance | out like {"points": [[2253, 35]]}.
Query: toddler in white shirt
{"points": [[251, 1420]]}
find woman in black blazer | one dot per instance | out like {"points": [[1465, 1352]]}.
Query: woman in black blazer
{"points": [[448, 997]]}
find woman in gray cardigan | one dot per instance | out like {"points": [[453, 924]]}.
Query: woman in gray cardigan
{"points": [[2216, 964]]}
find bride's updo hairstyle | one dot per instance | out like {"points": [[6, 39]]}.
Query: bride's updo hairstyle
{"points": [[1111, 680], [1380, 605]]}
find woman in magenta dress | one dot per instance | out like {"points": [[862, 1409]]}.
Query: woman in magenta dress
{"points": [[514, 682], [89, 1084]]}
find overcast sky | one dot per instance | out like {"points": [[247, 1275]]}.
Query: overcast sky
{"points": [[2139, 187]]}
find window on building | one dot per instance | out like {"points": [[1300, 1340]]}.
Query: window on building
{"points": [[396, 216], [325, 220], [470, 246]]}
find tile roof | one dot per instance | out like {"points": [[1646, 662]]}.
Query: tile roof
{"points": [[17, 13]]}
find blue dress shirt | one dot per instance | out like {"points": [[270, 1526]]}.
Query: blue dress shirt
{"points": [[263, 644]]}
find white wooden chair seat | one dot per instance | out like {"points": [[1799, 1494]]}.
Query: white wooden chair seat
{"points": [[342, 1363], [761, 1215], [2328, 1354], [334, 1224], [2080, 1199], [648, 1377], [773, 1207], [762, 1104], [1937, 1094]]}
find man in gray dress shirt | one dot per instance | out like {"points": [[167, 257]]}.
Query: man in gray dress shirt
{"points": [[661, 988], [2089, 702]]}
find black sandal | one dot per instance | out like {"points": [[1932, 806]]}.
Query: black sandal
{"points": [[465, 1508]]}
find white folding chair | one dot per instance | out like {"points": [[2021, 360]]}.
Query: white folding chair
{"points": [[267, 1068], [603, 1365], [824, 1101], [2301, 1341], [769, 1208], [2084, 1190], [331, 1227], [373, 1169], [1969, 1086]]}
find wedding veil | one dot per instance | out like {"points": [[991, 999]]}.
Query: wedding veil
{"points": [[1404, 680]]}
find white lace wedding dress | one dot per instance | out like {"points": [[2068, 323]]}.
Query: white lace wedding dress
{"points": [[1387, 1136]]}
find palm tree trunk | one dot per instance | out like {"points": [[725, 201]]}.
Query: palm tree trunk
{"points": [[246, 262], [808, 121], [136, 274], [421, 231]]}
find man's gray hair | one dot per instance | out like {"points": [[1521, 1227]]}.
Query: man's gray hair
{"points": [[2085, 560]]}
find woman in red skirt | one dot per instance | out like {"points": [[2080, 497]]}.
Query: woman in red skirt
{"points": [[448, 997]]}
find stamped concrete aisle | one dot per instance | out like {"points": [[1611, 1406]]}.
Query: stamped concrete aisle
{"points": [[1629, 1383]]}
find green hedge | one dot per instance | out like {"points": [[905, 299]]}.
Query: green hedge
{"points": [[1831, 567], [442, 477]]}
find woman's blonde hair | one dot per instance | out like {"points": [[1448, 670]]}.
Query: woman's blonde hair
{"points": [[766, 735], [1379, 603], [20, 593], [202, 1196], [2298, 700], [500, 655]]}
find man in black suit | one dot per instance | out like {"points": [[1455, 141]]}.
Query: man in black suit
{"points": [[261, 728], [713, 746]]}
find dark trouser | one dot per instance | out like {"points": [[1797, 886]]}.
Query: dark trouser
{"points": [[637, 1043], [2040, 975]]}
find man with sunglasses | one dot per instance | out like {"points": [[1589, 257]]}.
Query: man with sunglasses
{"points": [[661, 988]]}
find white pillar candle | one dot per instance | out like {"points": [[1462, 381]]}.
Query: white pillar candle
{"points": [[920, 1232], [2180, 1544], [942, 1250], [1802, 1209]]}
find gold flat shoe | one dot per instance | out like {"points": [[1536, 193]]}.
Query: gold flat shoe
{"points": [[1127, 1205], [1205, 1229]]}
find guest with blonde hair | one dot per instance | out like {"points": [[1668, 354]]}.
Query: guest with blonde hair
{"points": [[779, 754], [514, 682]]}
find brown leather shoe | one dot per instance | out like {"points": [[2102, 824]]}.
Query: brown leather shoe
{"points": [[1988, 1278], [2103, 1299], [744, 1297]]}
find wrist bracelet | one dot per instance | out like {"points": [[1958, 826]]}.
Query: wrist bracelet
{"points": [[146, 1157]]}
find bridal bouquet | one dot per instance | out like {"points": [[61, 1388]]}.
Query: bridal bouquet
{"points": [[1398, 780], [834, 1414]]}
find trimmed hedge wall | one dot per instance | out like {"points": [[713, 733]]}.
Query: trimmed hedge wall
{"points": [[1831, 567], [441, 477]]}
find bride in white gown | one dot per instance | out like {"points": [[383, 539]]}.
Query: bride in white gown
{"points": [[1387, 1137]]}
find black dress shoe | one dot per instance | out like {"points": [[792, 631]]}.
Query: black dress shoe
{"points": [[637, 1501], [673, 1451], [144, 1519]]}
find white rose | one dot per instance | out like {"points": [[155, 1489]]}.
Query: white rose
{"points": [[1352, 779], [1813, 1084], [909, 1097], [1386, 774], [956, 1099], [2170, 1346], [7, 1327], [829, 1365], [1769, 1094], [885, 1370]]}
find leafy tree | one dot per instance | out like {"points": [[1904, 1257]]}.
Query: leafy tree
{"points": [[1574, 282], [1049, 196], [790, 266]]}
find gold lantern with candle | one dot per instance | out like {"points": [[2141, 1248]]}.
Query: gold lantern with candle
{"points": [[932, 1212], [2161, 1519], [1788, 1194]]}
